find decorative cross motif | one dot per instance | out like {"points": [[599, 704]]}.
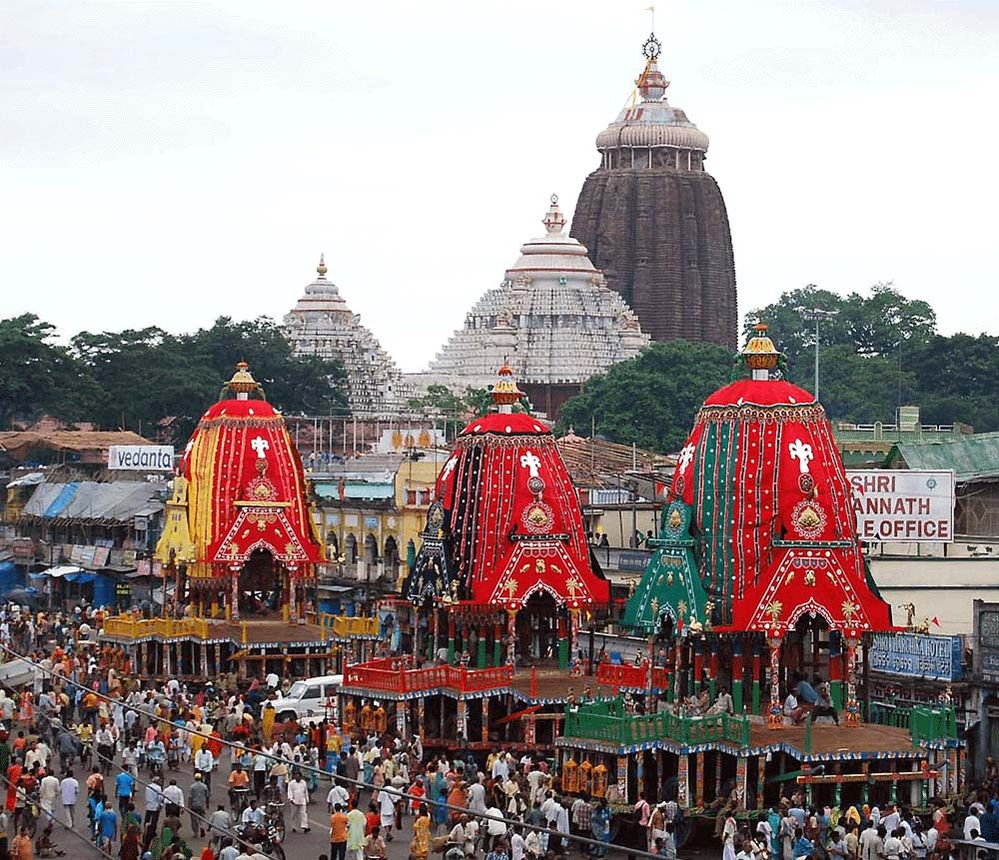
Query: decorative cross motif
{"points": [[802, 452], [530, 461], [686, 455], [260, 445]]}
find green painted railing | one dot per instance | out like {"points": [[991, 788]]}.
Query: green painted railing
{"points": [[608, 721], [924, 723], [932, 724], [889, 715]]}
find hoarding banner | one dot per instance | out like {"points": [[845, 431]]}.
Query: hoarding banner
{"points": [[903, 505], [917, 655], [140, 458]]}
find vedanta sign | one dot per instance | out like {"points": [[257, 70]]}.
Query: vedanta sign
{"points": [[903, 505], [140, 458]]}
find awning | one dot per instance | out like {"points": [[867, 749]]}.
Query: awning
{"points": [[29, 480], [66, 570], [81, 578]]}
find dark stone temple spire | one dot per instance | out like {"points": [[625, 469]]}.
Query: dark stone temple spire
{"points": [[655, 221]]}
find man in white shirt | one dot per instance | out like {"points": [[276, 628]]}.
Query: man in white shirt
{"points": [[174, 794], [253, 814], [337, 796], [69, 791], [562, 823], [972, 822], [204, 761], [891, 819], [500, 767], [272, 680], [386, 810], [477, 797], [48, 793], [154, 802], [495, 830], [298, 797], [517, 845]]}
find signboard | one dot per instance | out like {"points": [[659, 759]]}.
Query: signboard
{"points": [[917, 655], [986, 638], [122, 590], [140, 458], [903, 505]]}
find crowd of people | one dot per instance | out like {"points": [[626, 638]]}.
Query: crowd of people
{"points": [[132, 767]]}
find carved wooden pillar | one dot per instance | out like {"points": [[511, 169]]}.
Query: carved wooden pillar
{"points": [[851, 716], [775, 716]]}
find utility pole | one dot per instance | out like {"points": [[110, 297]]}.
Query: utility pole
{"points": [[816, 315]]}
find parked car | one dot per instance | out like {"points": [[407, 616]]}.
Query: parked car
{"points": [[310, 698]]}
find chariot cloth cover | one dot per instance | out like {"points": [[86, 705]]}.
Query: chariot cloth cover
{"points": [[506, 523], [771, 505], [245, 490]]}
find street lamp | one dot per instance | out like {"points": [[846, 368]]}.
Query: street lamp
{"points": [[816, 315]]}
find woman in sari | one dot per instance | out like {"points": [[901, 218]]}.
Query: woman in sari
{"points": [[420, 847]]}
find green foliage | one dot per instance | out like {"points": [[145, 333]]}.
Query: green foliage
{"points": [[38, 376], [440, 402], [152, 380], [650, 400], [875, 325]]}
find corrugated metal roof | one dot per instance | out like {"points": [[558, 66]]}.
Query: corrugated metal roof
{"points": [[88, 500], [970, 457]]}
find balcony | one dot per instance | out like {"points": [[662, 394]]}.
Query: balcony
{"points": [[127, 627], [608, 721], [628, 676], [398, 675]]}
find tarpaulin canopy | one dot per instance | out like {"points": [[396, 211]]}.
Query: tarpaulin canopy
{"points": [[66, 570], [118, 501]]}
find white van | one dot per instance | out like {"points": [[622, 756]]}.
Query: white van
{"points": [[308, 699]]}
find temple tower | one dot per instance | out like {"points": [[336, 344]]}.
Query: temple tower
{"points": [[655, 222]]}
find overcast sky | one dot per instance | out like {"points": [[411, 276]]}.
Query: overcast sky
{"points": [[166, 163]]}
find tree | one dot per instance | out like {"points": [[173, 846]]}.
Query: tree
{"points": [[439, 401], [150, 378], [878, 324], [862, 389], [37, 376], [650, 400]]}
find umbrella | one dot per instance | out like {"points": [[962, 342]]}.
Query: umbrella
{"points": [[23, 595]]}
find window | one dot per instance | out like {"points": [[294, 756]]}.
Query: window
{"points": [[313, 692]]}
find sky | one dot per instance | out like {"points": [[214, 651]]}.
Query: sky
{"points": [[165, 163]]}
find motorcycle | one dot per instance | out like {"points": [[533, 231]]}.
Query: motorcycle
{"points": [[266, 837]]}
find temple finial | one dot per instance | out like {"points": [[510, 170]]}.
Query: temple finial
{"points": [[321, 268], [554, 220]]}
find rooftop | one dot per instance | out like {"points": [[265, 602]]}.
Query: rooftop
{"points": [[969, 457]]}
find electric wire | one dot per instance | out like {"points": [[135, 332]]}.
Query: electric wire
{"points": [[360, 784], [43, 816]]}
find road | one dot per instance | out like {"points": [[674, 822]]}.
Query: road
{"points": [[297, 845]]}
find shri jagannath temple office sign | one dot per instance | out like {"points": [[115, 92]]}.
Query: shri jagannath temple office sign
{"points": [[903, 505], [917, 655]]}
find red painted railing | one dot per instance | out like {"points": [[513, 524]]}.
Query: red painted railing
{"points": [[617, 675], [397, 675]]}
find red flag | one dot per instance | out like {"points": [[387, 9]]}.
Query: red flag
{"points": [[936, 620]]}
